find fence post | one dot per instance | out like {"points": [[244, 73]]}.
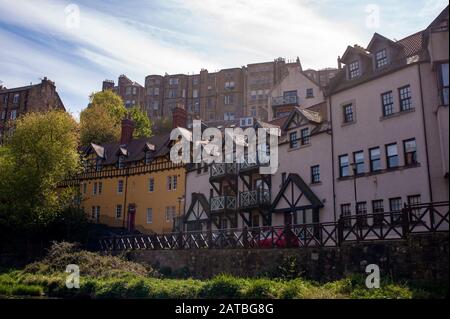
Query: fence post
{"points": [[431, 210], [405, 221], [340, 231], [180, 240], [245, 237], [114, 247], [209, 238], [288, 235]]}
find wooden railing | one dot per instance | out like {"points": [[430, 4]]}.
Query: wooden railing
{"points": [[254, 198], [222, 169], [221, 203], [416, 219]]}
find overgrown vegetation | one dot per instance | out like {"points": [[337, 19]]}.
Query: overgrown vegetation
{"points": [[115, 277]]}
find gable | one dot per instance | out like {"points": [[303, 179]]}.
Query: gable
{"points": [[295, 194], [199, 208]]}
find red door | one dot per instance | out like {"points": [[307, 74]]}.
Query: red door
{"points": [[131, 217]]}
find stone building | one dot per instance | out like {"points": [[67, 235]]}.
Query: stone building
{"points": [[132, 93], [32, 98]]}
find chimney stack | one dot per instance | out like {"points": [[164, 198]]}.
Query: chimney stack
{"points": [[179, 117], [127, 131], [339, 62]]}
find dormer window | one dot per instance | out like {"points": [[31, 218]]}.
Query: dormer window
{"points": [[121, 162], [148, 157], [381, 58], [98, 164], [354, 69]]}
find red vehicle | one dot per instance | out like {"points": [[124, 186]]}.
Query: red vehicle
{"points": [[278, 238]]}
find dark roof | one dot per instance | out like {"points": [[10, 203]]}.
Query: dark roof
{"points": [[22, 88], [411, 49], [135, 150]]}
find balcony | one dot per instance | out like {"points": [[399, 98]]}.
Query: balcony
{"points": [[285, 100], [250, 164], [223, 203], [220, 170], [254, 199]]}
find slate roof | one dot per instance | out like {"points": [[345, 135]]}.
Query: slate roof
{"points": [[411, 49]]}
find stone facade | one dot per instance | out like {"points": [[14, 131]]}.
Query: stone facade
{"points": [[420, 257]]}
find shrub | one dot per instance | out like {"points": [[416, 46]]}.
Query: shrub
{"points": [[223, 286], [263, 289]]}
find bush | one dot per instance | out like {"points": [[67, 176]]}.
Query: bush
{"points": [[91, 264], [223, 286], [263, 289]]}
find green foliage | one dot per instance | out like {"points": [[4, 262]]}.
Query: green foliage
{"points": [[41, 152], [91, 264], [162, 126], [100, 122], [223, 286], [143, 125]]}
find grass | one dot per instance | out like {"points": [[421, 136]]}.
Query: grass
{"points": [[114, 277]]}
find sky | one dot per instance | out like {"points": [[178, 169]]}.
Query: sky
{"points": [[78, 44]]}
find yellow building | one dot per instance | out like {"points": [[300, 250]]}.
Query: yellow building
{"points": [[132, 184]]}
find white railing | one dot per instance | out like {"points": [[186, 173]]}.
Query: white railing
{"points": [[222, 203], [221, 169], [254, 198], [284, 100]]}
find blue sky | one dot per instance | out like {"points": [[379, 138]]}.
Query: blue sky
{"points": [[138, 38]]}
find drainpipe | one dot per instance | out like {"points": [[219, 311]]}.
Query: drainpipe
{"points": [[425, 134], [125, 211], [332, 158]]}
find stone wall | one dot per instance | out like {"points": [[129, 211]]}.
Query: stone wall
{"points": [[420, 257]]}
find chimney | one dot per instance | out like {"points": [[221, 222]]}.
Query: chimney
{"points": [[127, 131], [179, 117], [339, 62]]}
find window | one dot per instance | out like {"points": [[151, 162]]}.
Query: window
{"points": [[95, 213], [84, 188], [173, 81], [354, 69], [120, 187], [128, 90], [151, 184], [348, 113], [156, 92], [405, 98], [16, 98], [309, 93], [148, 157], [387, 102], [13, 115], [395, 207], [118, 211], [343, 166], [358, 159], [94, 189], [149, 215], [100, 187], [229, 85], [228, 116], [442, 83], [378, 211], [170, 213], [375, 159], [255, 221], [228, 99], [169, 183], [5, 98], [361, 213], [98, 164], [315, 174], [172, 93], [345, 214], [410, 152], [414, 212], [174, 182], [391, 155], [3, 116], [121, 163], [134, 90], [195, 93], [293, 142], [381, 58], [304, 133]]}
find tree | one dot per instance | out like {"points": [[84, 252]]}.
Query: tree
{"points": [[98, 126], [42, 151], [101, 121], [143, 125]]}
